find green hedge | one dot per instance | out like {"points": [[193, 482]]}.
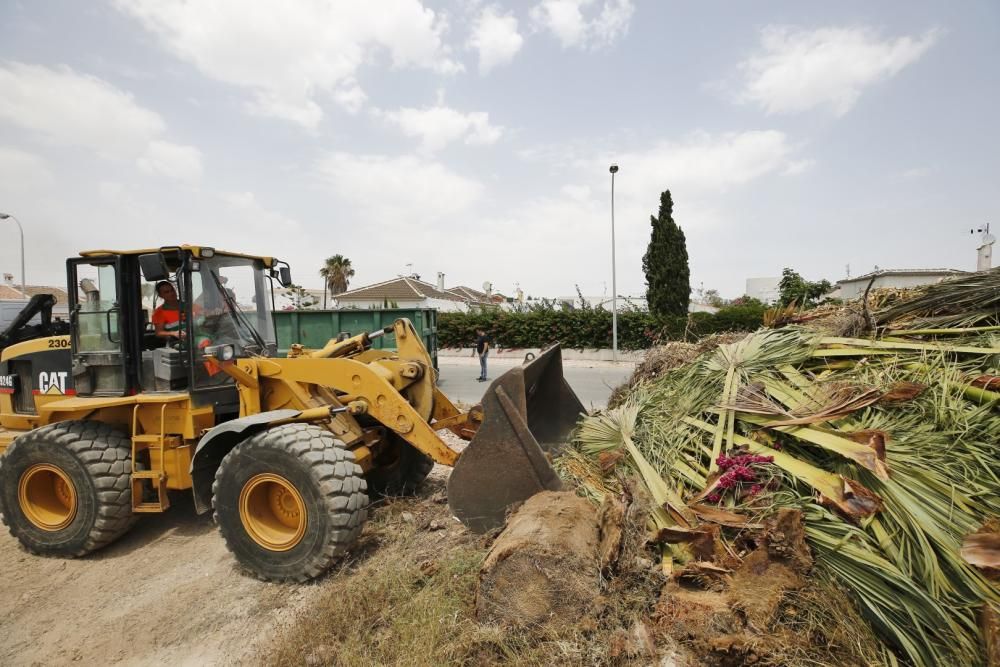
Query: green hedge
{"points": [[590, 327]]}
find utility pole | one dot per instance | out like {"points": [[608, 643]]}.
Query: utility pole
{"points": [[614, 284]]}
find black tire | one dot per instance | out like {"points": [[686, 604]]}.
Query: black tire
{"points": [[404, 474], [330, 487], [97, 460]]}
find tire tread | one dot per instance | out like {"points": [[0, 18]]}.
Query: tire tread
{"points": [[338, 481], [105, 452]]}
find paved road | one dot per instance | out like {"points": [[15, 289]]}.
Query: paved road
{"points": [[592, 384]]}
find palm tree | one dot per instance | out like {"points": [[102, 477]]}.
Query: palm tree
{"points": [[336, 274]]}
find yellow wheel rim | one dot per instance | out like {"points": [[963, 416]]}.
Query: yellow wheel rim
{"points": [[47, 497], [272, 512]]}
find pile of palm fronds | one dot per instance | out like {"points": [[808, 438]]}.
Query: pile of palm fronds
{"points": [[887, 445], [972, 300]]}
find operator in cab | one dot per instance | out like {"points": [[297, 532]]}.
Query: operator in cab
{"points": [[167, 317]]}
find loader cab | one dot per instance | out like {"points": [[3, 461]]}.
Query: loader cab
{"points": [[224, 299]]}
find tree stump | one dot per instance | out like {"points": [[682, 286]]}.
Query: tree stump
{"points": [[544, 568]]}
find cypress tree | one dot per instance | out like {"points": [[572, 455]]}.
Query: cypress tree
{"points": [[668, 278]]}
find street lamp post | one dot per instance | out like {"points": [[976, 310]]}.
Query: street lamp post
{"points": [[4, 216], [614, 284]]}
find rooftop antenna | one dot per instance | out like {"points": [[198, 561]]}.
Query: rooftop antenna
{"points": [[848, 271], [984, 261]]}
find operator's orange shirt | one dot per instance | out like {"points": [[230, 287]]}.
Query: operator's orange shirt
{"points": [[168, 318], [171, 318]]}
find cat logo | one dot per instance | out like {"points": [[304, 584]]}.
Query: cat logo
{"points": [[52, 383]]}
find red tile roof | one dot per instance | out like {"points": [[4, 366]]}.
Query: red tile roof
{"points": [[398, 289], [469, 294], [10, 293], [14, 292]]}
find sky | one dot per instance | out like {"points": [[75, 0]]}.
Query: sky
{"points": [[474, 138]]}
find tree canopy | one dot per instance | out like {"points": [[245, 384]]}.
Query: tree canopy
{"points": [[668, 278], [337, 273], [805, 293]]}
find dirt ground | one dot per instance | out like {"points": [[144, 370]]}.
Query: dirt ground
{"points": [[168, 590]]}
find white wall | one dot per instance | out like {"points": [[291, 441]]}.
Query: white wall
{"points": [[765, 289], [855, 289], [285, 302]]}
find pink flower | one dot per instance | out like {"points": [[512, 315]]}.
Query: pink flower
{"points": [[727, 481], [713, 498]]}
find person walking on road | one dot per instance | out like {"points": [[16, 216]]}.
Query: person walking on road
{"points": [[483, 350]]}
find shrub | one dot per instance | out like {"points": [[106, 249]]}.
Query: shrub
{"points": [[590, 328]]}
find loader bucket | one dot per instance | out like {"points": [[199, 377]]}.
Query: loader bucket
{"points": [[527, 414]]}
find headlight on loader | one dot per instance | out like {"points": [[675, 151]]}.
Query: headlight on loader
{"points": [[221, 352]]}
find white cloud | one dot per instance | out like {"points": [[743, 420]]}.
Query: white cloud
{"points": [[496, 38], [914, 173], [796, 70], [182, 163], [705, 173], [566, 20], [796, 167], [20, 171], [439, 126], [66, 108], [72, 109], [294, 55], [398, 191], [255, 218], [705, 164], [612, 22]]}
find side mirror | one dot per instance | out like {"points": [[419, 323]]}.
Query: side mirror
{"points": [[154, 267], [285, 276]]}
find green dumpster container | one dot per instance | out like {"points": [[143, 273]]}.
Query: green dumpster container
{"points": [[313, 328]]}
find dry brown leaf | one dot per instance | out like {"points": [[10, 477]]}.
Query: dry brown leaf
{"points": [[987, 382], [701, 540], [982, 548], [608, 460], [720, 516], [902, 391], [873, 438], [856, 501]]}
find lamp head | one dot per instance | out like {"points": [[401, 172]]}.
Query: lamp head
{"points": [[4, 216], [614, 169]]}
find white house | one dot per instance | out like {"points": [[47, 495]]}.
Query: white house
{"points": [[854, 288], [304, 299], [13, 300], [410, 292], [764, 289]]}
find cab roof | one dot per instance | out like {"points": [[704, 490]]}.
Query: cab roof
{"points": [[196, 250]]}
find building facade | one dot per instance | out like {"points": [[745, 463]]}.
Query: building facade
{"points": [[850, 289]]}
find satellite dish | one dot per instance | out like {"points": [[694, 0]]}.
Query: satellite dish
{"points": [[487, 286]]}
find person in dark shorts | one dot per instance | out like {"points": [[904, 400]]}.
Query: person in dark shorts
{"points": [[483, 350]]}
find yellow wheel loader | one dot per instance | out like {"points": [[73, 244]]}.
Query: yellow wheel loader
{"points": [[101, 418]]}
